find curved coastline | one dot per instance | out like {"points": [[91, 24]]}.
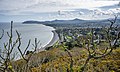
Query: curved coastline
{"points": [[54, 39]]}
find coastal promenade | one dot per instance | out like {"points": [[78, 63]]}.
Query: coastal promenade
{"points": [[54, 39]]}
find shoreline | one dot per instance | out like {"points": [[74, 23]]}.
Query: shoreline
{"points": [[54, 39]]}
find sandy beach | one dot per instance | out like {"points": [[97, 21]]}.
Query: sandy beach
{"points": [[52, 42]]}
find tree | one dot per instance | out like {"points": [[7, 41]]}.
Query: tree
{"points": [[7, 57], [92, 49]]}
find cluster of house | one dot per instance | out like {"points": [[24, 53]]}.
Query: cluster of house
{"points": [[72, 34]]}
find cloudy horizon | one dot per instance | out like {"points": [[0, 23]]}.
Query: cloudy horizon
{"points": [[21, 10]]}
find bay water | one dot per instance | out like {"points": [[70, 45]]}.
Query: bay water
{"points": [[28, 32]]}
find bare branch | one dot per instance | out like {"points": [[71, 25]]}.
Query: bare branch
{"points": [[2, 57], [27, 47], [35, 48], [11, 29], [2, 34], [103, 55], [8, 34], [71, 59], [107, 51], [14, 45], [19, 41], [5, 46]]}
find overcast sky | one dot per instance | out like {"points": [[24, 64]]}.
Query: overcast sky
{"points": [[20, 10]]}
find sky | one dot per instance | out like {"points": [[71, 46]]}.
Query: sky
{"points": [[41, 10]]}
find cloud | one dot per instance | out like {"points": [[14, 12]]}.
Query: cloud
{"points": [[108, 10], [14, 7], [49, 9], [19, 4], [23, 4], [110, 7], [15, 4]]}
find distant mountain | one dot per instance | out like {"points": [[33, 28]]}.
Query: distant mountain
{"points": [[75, 22], [32, 22]]}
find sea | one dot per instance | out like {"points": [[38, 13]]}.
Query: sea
{"points": [[27, 32]]}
